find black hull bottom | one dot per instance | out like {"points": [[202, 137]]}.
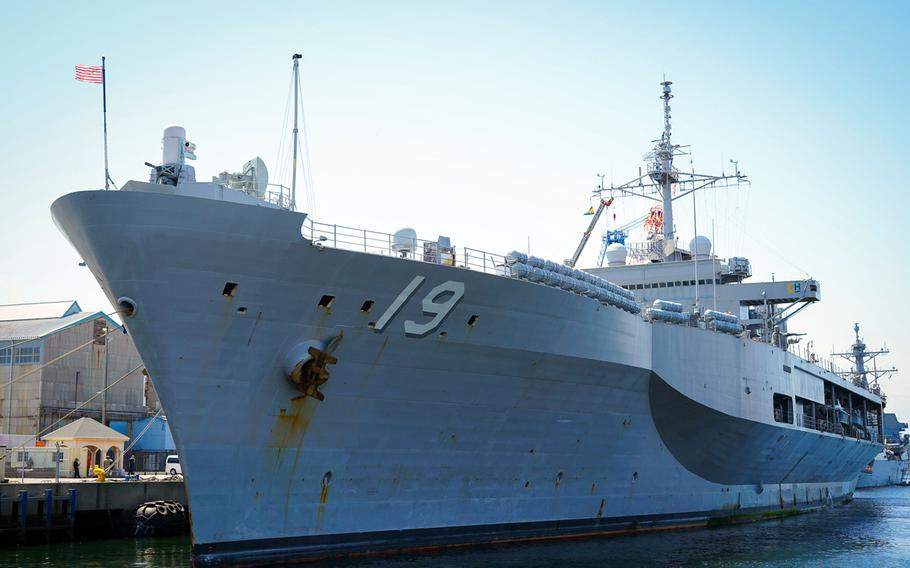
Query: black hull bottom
{"points": [[299, 550]]}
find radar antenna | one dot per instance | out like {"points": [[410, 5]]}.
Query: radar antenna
{"points": [[665, 184], [861, 375]]}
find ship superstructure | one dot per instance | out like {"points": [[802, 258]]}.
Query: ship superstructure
{"points": [[338, 391], [891, 466]]}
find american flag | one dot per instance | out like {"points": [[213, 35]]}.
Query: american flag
{"points": [[89, 73]]}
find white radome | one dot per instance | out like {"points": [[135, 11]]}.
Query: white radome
{"points": [[616, 254], [404, 240], [700, 246]]}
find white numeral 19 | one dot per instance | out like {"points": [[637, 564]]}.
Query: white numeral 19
{"points": [[431, 306]]}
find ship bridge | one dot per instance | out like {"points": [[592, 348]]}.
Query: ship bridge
{"points": [[706, 281], [779, 292]]}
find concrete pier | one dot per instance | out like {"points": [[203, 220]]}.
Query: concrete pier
{"points": [[43, 510]]}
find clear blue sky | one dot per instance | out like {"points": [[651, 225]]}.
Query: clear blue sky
{"points": [[487, 122]]}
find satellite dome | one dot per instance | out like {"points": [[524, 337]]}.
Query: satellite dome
{"points": [[616, 254], [404, 241], [700, 246]]}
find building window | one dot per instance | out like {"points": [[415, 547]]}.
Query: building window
{"points": [[27, 355], [669, 284], [663, 284], [701, 281], [19, 355], [21, 457]]}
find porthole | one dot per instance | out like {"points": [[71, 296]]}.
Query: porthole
{"points": [[229, 290]]}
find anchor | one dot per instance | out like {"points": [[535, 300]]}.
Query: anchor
{"points": [[311, 370]]}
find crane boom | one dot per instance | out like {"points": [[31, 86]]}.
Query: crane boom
{"points": [[604, 203]]}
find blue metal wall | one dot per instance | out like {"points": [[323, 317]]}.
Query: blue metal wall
{"points": [[156, 439]]}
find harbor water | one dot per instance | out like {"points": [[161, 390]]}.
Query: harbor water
{"points": [[873, 530]]}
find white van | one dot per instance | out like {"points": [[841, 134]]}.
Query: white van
{"points": [[172, 465]]}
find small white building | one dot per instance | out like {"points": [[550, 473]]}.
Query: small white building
{"points": [[91, 442]]}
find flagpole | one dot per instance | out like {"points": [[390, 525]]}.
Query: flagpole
{"points": [[107, 176]]}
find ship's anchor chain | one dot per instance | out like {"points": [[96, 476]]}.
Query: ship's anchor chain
{"points": [[310, 373]]}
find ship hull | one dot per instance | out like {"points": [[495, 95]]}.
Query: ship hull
{"points": [[526, 412], [884, 472]]}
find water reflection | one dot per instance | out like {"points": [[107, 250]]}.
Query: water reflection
{"points": [[873, 530]]}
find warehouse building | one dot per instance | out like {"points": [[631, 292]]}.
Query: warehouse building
{"points": [[54, 360]]}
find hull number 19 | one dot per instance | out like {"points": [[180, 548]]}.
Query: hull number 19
{"points": [[451, 292]]}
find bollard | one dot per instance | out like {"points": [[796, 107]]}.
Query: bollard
{"points": [[72, 509], [49, 507]]}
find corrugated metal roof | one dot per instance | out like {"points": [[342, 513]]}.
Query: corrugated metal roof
{"points": [[38, 310], [85, 428], [33, 329]]}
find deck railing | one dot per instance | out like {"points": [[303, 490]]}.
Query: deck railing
{"points": [[279, 195], [385, 244], [834, 427], [783, 415], [811, 356]]}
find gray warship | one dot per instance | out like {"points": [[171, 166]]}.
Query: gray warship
{"points": [[336, 391], [890, 467]]}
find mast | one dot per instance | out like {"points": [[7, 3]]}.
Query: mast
{"points": [[659, 184], [107, 175], [662, 167], [296, 59], [860, 357]]}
